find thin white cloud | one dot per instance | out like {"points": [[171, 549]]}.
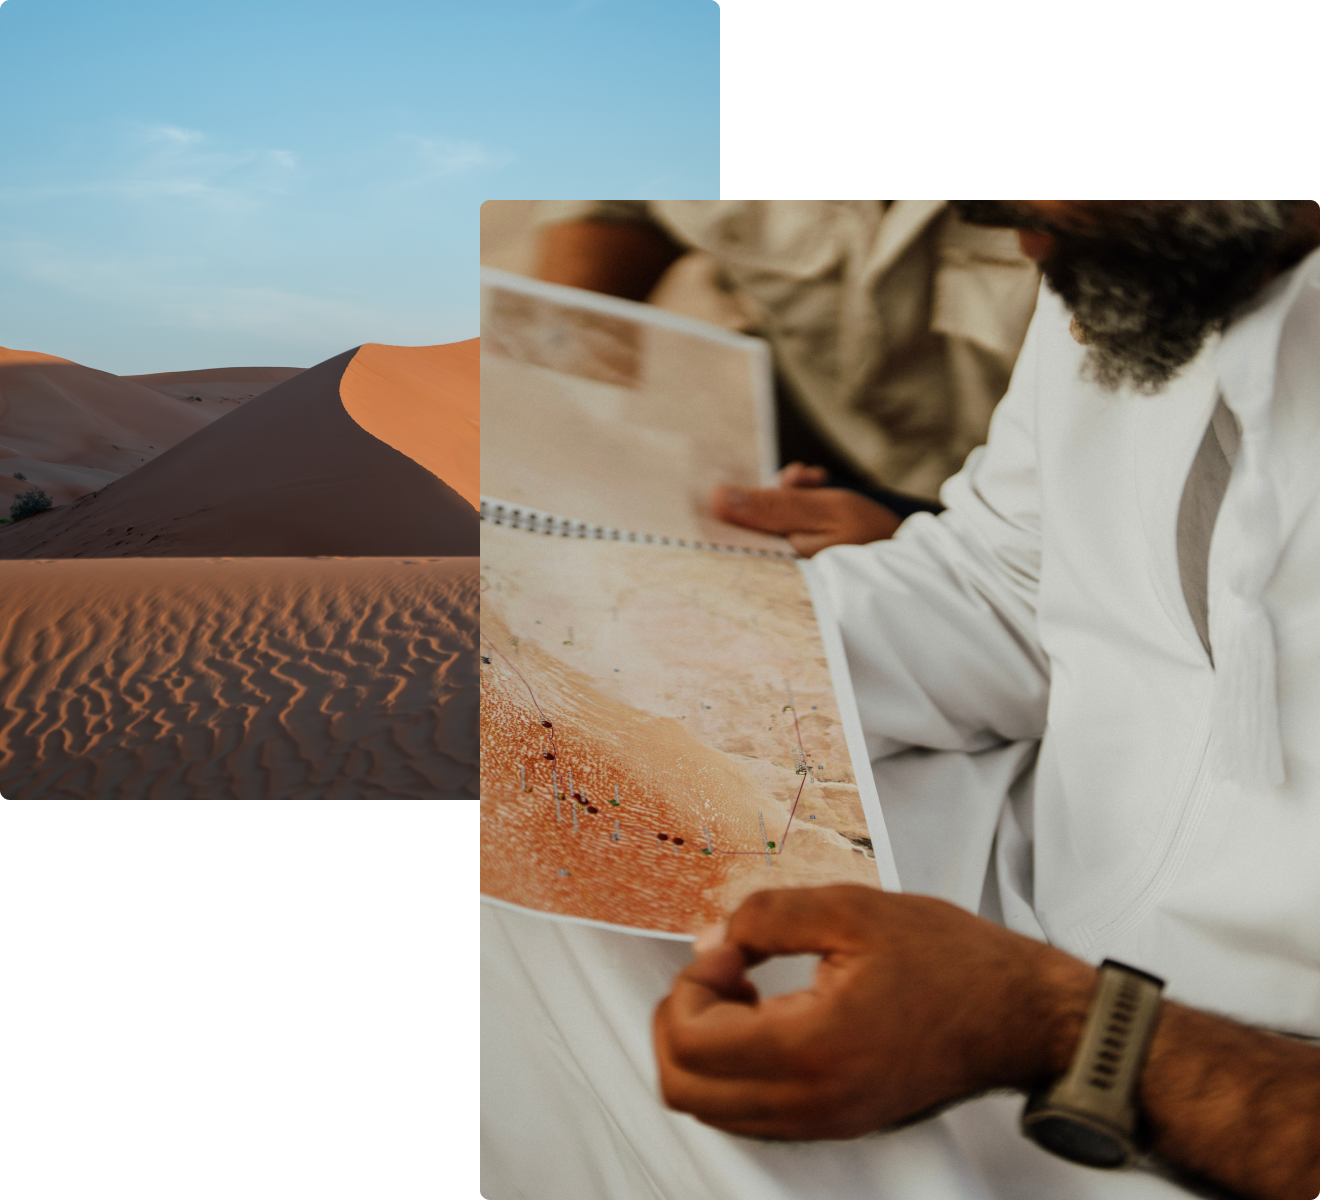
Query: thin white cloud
{"points": [[446, 156], [161, 163], [159, 293], [172, 135]]}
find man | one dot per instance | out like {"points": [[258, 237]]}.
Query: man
{"points": [[1072, 591], [894, 326]]}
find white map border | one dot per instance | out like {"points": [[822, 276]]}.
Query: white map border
{"points": [[590, 922], [837, 661]]}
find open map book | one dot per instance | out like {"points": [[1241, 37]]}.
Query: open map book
{"points": [[667, 722]]}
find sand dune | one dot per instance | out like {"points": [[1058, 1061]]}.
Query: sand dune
{"points": [[262, 376], [329, 653], [62, 482], [239, 679], [216, 392], [291, 472], [71, 429], [440, 428]]}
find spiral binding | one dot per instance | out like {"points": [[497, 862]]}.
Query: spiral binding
{"points": [[517, 516]]}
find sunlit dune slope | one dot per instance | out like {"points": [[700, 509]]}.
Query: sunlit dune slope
{"points": [[71, 429], [260, 678], [288, 473], [424, 401]]}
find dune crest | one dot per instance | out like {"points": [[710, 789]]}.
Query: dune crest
{"points": [[425, 402], [288, 473], [263, 375]]}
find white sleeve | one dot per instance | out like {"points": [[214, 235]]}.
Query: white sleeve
{"points": [[939, 624]]}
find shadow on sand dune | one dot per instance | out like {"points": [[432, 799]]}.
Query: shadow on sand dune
{"points": [[288, 473]]}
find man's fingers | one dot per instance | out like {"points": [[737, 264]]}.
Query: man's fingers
{"points": [[772, 1086], [773, 510], [700, 1031], [766, 1108], [822, 920], [745, 1109], [709, 938], [811, 517], [717, 974], [712, 1021]]}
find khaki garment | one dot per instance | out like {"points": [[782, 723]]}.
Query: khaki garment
{"points": [[895, 325]]}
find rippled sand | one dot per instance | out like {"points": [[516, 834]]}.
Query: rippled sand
{"points": [[269, 678]]}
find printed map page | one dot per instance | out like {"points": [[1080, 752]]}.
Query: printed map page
{"points": [[660, 735]]}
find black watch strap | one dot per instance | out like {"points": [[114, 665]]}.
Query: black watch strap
{"points": [[1090, 1115]]}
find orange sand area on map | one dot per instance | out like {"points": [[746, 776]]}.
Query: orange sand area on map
{"points": [[526, 843], [681, 766]]}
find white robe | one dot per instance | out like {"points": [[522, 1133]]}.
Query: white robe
{"points": [[1047, 603], [1045, 606]]}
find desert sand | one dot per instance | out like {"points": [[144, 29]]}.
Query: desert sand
{"points": [[252, 586], [215, 392], [646, 713], [440, 429], [287, 473], [267, 678], [71, 429]]}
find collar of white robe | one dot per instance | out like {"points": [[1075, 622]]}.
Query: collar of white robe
{"points": [[1246, 701]]}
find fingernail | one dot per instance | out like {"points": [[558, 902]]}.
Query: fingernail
{"points": [[735, 497], [710, 938]]}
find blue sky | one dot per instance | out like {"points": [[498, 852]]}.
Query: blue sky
{"points": [[188, 184]]}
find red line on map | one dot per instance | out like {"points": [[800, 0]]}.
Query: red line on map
{"points": [[797, 729]]}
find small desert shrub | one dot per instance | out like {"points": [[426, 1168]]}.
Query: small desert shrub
{"points": [[29, 503]]}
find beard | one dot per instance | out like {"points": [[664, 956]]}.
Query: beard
{"points": [[1148, 283]]}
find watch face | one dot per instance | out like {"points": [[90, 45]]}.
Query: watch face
{"points": [[1080, 1143]]}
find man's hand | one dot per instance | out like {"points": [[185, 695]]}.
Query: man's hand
{"points": [[809, 515], [915, 1003]]}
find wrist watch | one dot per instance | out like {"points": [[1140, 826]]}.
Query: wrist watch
{"points": [[1090, 1115]]}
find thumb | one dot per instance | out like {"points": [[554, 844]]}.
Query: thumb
{"points": [[808, 545], [715, 977]]}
